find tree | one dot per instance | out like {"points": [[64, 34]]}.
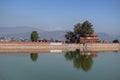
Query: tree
{"points": [[70, 37], [87, 29], [80, 30], [34, 36], [115, 41]]}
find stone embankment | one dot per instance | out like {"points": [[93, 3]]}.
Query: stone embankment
{"points": [[103, 46], [38, 46]]}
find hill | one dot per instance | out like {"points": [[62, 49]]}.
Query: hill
{"points": [[24, 32]]}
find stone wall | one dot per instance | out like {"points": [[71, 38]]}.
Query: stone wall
{"points": [[103, 46], [39, 45]]}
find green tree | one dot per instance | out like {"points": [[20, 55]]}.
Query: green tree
{"points": [[80, 30], [34, 56], [34, 36], [77, 28], [115, 41], [70, 37], [87, 29], [77, 31]]}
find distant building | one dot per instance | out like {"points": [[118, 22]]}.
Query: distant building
{"points": [[93, 38], [44, 40], [4, 39]]}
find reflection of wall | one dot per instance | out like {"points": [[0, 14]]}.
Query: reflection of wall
{"points": [[90, 53], [52, 43]]}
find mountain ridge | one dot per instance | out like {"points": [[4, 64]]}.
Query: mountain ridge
{"points": [[24, 32]]}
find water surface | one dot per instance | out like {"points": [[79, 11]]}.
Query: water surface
{"points": [[60, 66]]}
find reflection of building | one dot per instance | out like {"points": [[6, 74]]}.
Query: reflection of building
{"points": [[89, 53], [93, 38]]}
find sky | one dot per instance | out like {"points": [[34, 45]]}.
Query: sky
{"points": [[61, 14]]}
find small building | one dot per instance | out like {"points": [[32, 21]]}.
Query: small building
{"points": [[44, 40], [93, 38]]}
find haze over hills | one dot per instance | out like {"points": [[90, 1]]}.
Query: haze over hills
{"points": [[24, 32], [108, 37]]}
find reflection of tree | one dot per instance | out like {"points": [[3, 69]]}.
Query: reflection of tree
{"points": [[86, 62], [115, 51], [80, 61], [34, 56]]}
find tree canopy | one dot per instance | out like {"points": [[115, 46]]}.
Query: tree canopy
{"points": [[115, 41], [34, 36], [70, 36], [86, 29], [80, 30]]}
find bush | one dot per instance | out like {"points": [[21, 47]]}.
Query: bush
{"points": [[115, 41]]}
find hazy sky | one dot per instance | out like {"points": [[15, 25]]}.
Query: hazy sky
{"points": [[61, 14]]}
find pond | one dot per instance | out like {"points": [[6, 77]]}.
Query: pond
{"points": [[71, 65]]}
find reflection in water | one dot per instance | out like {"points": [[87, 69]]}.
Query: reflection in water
{"points": [[34, 56], [81, 60], [115, 51]]}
